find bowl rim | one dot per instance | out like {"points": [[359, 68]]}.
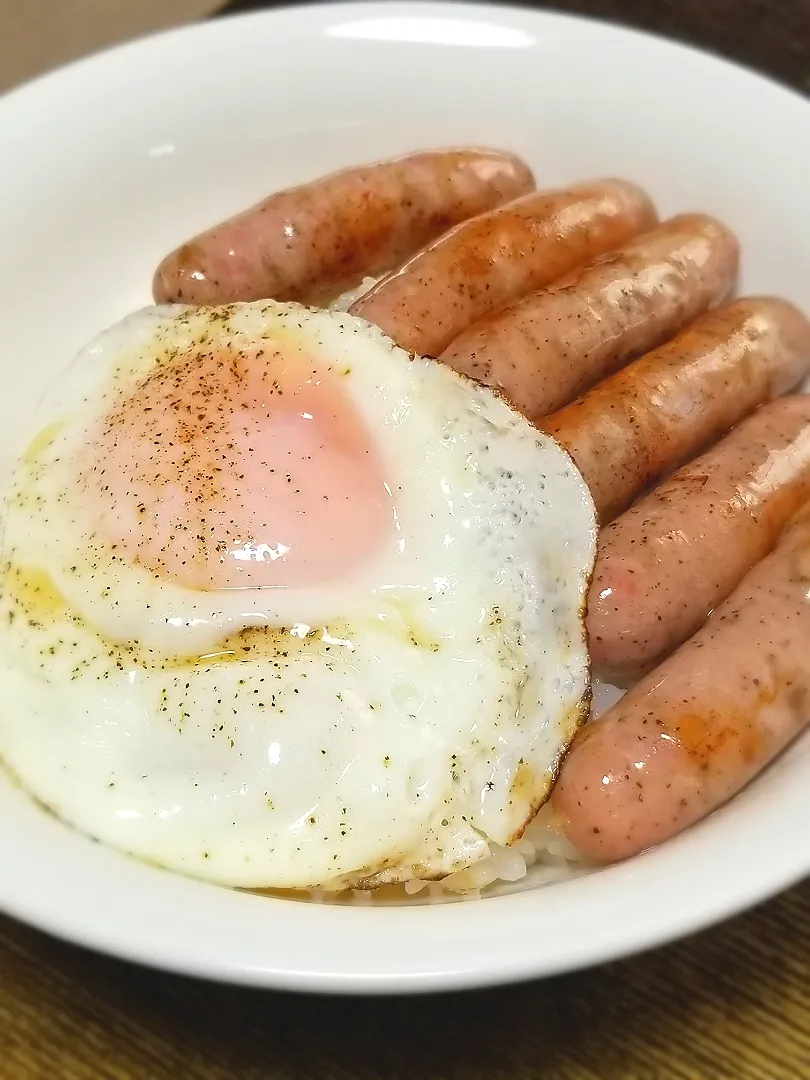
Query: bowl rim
{"points": [[89, 913]]}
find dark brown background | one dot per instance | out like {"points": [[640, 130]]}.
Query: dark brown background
{"points": [[732, 1003]]}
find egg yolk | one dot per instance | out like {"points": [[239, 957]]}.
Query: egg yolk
{"points": [[235, 469]]}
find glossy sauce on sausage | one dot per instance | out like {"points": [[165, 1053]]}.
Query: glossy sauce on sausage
{"points": [[550, 346], [313, 242], [494, 258], [704, 723], [645, 420], [663, 565]]}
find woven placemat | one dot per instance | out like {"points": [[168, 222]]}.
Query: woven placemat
{"points": [[732, 1003]]}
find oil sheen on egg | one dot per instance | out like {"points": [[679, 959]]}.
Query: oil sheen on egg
{"points": [[281, 606]]}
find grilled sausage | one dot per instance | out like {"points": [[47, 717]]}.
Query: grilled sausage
{"points": [[491, 260], [551, 345], [678, 552], [645, 420], [313, 242], [705, 722]]}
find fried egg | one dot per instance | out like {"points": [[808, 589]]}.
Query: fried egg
{"points": [[282, 606]]}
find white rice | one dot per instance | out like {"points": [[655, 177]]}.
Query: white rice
{"points": [[540, 857], [345, 301]]}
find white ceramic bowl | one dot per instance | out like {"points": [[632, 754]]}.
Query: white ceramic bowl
{"points": [[109, 163]]}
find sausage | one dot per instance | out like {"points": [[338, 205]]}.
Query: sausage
{"points": [[548, 347], [493, 259], [311, 243], [662, 566], [696, 730], [664, 408]]}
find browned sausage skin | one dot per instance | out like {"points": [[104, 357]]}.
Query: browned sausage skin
{"points": [[551, 345], [491, 260], [312, 242], [704, 723], [664, 408], [664, 564]]}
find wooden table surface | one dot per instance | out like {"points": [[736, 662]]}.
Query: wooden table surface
{"points": [[732, 1003]]}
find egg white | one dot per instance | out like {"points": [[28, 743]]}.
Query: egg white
{"points": [[384, 726]]}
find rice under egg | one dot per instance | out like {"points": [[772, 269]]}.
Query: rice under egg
{"points": [[283, 607]]}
